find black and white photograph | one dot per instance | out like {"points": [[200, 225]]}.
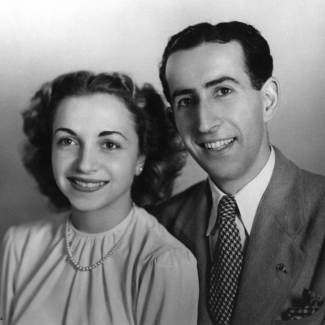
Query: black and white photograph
{"points": [[162, 162]]}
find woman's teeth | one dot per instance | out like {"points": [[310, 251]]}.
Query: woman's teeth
{"points": [[89, 184]]}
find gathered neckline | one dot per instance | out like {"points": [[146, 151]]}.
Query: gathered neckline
{"points": [[119, 226]]}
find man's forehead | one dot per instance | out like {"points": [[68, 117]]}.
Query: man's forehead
{"points": [[199, 64]]}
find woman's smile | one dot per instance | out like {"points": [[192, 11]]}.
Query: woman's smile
{"points": [[84, 185]]}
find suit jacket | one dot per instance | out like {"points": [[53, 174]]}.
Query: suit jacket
{"points": [[288, 229]]}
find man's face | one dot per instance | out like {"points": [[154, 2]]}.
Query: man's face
{"points": [[218, 114]]}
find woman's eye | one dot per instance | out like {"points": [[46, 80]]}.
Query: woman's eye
{"points": [[66, 142], [110, 145]]}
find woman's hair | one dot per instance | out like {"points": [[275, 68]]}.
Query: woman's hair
{"points": [[158, 140]]}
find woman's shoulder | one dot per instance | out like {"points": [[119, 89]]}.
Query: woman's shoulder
{"points": [[36, 232], [159, 244]]}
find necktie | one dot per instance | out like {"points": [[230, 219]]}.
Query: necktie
{"points": [[227, 263]]}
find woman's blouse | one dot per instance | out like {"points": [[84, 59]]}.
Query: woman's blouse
{"points": [[150, 279]]}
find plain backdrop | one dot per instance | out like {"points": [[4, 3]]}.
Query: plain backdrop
{"points": [[41, 39]]}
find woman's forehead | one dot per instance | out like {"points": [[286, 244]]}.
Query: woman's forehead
{"points": [[95, 111]]}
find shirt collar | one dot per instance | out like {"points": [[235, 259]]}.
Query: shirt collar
{"points": [[248, 198]]}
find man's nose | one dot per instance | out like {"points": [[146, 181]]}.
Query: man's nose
{"points": [[87, 161], [207, 117]]}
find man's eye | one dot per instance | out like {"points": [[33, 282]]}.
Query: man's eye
{"points": [[185, 102], [223, 91]]}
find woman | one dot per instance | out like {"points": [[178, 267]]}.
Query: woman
{"points": [[99, 147]]}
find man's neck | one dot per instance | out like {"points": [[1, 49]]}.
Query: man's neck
{"points": [[233, 186]]}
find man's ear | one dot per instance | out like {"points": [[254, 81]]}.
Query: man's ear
{"points": [[171, 116], [271, 96]]}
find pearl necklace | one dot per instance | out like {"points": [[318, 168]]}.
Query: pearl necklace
{"points": [[103, 259]]}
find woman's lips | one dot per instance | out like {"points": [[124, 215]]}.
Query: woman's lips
{"points": [[86, 185]]}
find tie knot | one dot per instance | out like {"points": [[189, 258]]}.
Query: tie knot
{"points": [[227, 206]]}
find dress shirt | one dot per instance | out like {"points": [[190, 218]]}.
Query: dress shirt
{"points": [[248, 199]]}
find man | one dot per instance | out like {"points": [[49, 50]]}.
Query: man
{"points": [[256, 226]]}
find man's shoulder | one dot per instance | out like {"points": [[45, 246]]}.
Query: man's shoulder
{"points": [[177, 201], [306, 190], [314, 188], [187, 194], [289, 172], [170, 211], [312, 179]]}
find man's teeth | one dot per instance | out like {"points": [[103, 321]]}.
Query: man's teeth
{"points": [[218, 145], [88, 184]]}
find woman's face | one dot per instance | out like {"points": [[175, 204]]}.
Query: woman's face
{"points": [[95, 152]]}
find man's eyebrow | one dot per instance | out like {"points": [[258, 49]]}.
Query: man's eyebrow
{"points": [[219, 81], [191, 91], [180, 92], [65, 130]]}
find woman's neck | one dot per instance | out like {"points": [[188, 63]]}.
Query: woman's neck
{"points": [[99, 220]]}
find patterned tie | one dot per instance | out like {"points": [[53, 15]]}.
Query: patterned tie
{"points": [[227, 263]]}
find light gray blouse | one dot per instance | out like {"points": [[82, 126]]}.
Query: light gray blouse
{"points": [[150, 279]]}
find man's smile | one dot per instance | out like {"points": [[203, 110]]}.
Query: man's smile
{"points": [[217, 145]]}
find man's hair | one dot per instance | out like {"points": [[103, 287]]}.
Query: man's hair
{"points": [[165, 153], [257, 57]]}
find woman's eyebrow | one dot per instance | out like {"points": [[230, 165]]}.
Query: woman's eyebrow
{"points": [[65, 130], [105, 133], [101, 134]]}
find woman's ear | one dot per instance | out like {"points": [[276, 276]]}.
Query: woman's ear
{"points": [[271, 96], [139, 166]]}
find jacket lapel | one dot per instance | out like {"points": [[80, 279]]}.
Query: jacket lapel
{"points": [[196, 213], [279, 218], [194, 230]]}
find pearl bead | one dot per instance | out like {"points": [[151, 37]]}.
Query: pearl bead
{"points": [[103, 259]]}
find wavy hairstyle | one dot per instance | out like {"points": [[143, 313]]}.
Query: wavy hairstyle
{"points": [[257, 56], [158, 140]]}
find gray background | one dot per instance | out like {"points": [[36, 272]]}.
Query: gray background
{"points": [[42, 39]]}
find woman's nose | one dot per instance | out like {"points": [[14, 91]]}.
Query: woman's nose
{"points": [[87, 161]]}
